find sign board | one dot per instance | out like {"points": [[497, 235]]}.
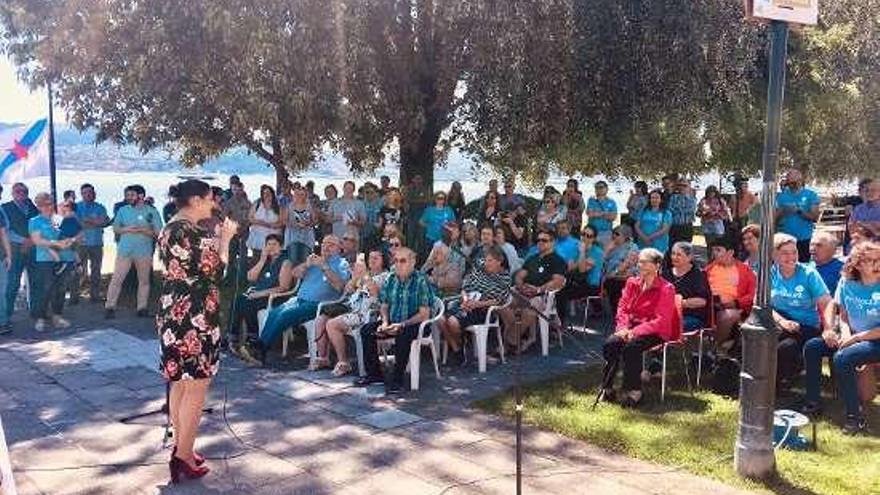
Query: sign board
{"points": [[794, 11]]}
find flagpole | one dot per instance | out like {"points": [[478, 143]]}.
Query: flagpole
{"points": [[53, 182]]}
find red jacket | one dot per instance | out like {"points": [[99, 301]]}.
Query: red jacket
{"points": [[649, 312], [745, 287]]}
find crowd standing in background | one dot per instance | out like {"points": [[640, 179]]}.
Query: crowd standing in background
{"points": [[385, 253]]}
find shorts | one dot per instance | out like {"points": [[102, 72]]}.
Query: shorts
{"points": [[353, 319]]}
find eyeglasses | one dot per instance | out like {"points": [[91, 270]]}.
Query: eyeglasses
{"points": [[440, 198], [394, 244], [543, 239], [588, 236], [401, 261], [352, 239]]}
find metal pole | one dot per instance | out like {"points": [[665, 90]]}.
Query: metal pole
{"points": [[517, 394], [753, 455], [53, 182]]}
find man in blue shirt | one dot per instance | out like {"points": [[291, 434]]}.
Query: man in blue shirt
{"points": [[5, 327], [602, 212], [683, 208], [566, 245], [93, 217], [406, 301], [18, 211], [822, 250], [797, 210], [322, 278], [137, 224]]}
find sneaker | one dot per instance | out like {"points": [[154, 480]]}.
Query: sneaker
{"points": [[59, 322], [393, 388], [855, 424], [811, 408], [368, 380], [40, 325], [109, 314]]}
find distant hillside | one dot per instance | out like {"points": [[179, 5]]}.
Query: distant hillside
{"points": [[75, 150]]}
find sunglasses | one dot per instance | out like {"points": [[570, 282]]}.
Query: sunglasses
{"points": [[394, 244], [543, 239], [441, 198], [588, 236]]}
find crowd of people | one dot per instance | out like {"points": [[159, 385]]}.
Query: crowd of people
{"points": [[383, 254]]}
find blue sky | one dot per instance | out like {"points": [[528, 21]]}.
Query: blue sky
{"points": [[17, 102]]}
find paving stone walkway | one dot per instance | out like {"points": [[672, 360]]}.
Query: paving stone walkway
{"points": [[281, 430]]}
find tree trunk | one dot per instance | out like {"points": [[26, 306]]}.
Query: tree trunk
{"points": [[281, 176]]}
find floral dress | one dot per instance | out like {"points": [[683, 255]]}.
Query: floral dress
{"points": [[188, 320]]}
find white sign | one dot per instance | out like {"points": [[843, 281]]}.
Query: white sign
{"points": [[796, 11]]}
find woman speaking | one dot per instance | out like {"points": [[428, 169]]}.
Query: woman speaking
{"points": [[188, 320]]}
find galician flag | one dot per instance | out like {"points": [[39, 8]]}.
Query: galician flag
{"points": [[24, 152]]}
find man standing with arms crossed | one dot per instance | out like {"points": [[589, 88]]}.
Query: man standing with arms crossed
{"points": [[93, 217]]}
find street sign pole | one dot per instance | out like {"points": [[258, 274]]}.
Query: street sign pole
{"points": [[753, 454]]}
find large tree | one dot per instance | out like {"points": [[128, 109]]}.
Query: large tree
{"points": [[199, 77]]}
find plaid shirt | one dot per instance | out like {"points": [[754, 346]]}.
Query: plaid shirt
{"points": [[683, 208], [405, 297]]}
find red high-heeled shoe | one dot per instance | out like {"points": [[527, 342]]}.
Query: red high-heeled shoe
{"points": [[198, 458], [178, 467]]}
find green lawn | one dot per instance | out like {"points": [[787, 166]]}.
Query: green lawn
{"points": [[696, 433]]}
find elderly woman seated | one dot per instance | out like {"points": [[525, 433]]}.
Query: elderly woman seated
{"points": [[646, 317], [797, 290], [489, 286], [443, 271], [690, 284], [360, 307], [856, 340]]}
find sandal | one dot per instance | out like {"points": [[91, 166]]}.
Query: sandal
{"points": [[342, 368], [319, 364]]}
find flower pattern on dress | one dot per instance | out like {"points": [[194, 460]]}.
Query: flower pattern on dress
{"points": [[188, 319]]}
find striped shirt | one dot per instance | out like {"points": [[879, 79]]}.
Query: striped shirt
{"points": [[405, 297], [491, 286], [683, 208]]}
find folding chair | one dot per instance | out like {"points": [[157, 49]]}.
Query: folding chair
{"points": [[481, 336], [544, 323]]}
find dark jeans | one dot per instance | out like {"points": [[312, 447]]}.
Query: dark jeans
{"points": [[47, 289], [246, 309], [680, 232], [845, 363], [616, 348], [402, 343], [575, 288], [21, 261], [803, 248], [789, 351], [91, 258]]}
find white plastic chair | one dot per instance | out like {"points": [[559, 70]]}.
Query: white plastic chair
{"points": [[544, 324], [355, 333], [481, 336], [431, 340]]}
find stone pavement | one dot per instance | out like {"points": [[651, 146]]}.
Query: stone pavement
{"points": [[279, 430]]}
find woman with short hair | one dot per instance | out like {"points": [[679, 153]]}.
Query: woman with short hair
{"points": [[646, 317], [690, 283], [855, 340], [621, 255], [50, 252], [751, 240]]}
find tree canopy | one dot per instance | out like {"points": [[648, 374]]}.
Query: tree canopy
{"points": [[633, 88]]}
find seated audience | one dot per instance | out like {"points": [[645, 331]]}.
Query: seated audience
{"points": [[855, 341], [322, 278], [443, 272], [405, 302], [797, 290], [482, 288], [646, 317], [360, 308], [690, 284], [823, 248], [751, 240], [541, 273], [270, 275], [621, 257], [734, 284], [584, 274]]}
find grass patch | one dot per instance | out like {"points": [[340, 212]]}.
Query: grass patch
{"points": [[696, 433]]}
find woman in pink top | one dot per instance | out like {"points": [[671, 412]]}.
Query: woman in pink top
{"points": [[646, 317]]}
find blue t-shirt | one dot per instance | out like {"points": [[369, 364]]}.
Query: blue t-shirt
{"points": [[48, 231], [594, 276], [861, 302], [830, 273], [796, 297], [434, 219], [137, 245], [606, 205], [567, 249], [316, 288], [92, 236], [793, 223], [651, 221]]}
